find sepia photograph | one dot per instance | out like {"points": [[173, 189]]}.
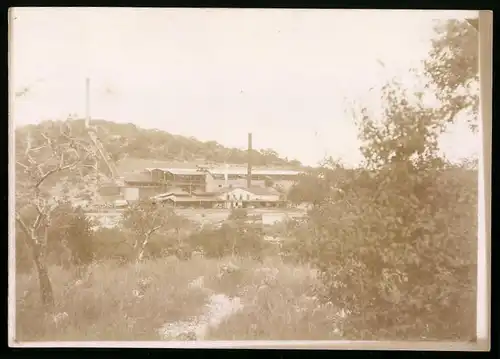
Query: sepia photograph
{"points": [[221, 177]]}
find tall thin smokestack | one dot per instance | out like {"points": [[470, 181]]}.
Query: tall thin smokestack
{"points": [[87, 102], [249, 171]]}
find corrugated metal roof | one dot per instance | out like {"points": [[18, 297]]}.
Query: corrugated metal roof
{"points": [[137, 164], [208, 194], [261, 172], [196, 199], [178, 171], [172, 192]]}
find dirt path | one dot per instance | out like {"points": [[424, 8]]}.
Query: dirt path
{"points": [[219, 308]]}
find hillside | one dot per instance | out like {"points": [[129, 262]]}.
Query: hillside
{"points": [[130, 141]]}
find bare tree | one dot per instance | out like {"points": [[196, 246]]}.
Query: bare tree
{"points": [[43, 157]]}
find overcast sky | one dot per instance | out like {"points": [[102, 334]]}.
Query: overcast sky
{"points": [[285, 75]]}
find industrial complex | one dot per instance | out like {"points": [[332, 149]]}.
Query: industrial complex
{"points": [[206, 186]]}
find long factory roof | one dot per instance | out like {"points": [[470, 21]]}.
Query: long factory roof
{"points": [[229, 171], [179, 171]]}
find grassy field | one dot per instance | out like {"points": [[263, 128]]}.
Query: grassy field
{"points": [[133, 302]]}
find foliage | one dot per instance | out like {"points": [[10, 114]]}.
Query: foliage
{"points": [[80, 237], [112, 244], [453, 68], [239, 235], [70, 237], [70, 240], [238, 214], [313, 184], [145, 218], [396, 241]]}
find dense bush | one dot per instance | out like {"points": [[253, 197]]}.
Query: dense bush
{"points": [[396, 241], [117, 244], [71, 237], [239, 235], [171, 243], [402, 264], [69, 240], [112, 243]]}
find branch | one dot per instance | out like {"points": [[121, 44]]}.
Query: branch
{"points": [[29, 237], [151, 231], [94, 166], [36, 148], [49, 141], [39, 218], [23, 225], [23, 165], [55, 170]]}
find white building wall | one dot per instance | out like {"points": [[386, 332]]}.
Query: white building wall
{"points": [[240, 194], [268, 198], [131, 193]]}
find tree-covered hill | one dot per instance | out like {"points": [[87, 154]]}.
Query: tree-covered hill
{"points": [[130, 141]]}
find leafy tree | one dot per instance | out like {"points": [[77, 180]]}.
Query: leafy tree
{"points": [[453, 68], [317, 184], [396, 241]]}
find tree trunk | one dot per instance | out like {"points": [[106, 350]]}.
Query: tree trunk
{"points": [[140, 255], [179, 250], [39, 257], [46, 292]]}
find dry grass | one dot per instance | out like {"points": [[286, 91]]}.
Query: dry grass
{"points": [[279, 304], [276, 297]]}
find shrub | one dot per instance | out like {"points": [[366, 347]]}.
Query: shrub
{"points": [[238, 214], [171, 243], [234, 237], [403, 266], [112, 243], [69, 240]]}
